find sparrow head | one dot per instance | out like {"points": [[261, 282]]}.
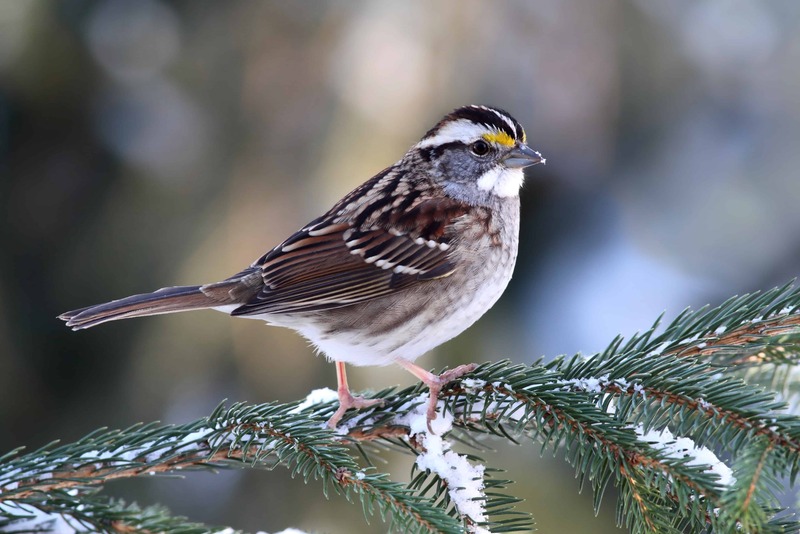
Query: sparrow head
{"points": [[478, 152]]}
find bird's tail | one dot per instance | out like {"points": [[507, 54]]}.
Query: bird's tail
{"points": [[166, 300]]}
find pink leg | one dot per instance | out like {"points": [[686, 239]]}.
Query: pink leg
{"points": [[346, 399], [435, 382]]}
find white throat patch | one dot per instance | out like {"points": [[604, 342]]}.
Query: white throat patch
{"points": [[502, 181]]}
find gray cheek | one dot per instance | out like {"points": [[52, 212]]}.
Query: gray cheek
{"points": [[458, 174], [459, 168], [460, 191], [464, 187]]}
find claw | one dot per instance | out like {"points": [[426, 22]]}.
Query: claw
{"points": [[435, 383], [346, 399]]}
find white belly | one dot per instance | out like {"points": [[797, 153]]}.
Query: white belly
{"points": [[439, 322]]}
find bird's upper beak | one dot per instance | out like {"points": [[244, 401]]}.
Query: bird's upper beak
{"points": [[522, 156]]}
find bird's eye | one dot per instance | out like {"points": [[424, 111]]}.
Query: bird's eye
{"points": [[480, 147]]}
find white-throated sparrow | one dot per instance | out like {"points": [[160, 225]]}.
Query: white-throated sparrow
{"points": [[403, 263]]}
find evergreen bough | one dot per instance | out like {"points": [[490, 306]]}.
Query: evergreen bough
{"points": [[721, 377]]}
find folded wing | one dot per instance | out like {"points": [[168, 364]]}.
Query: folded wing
{"points": [[334, 263]]}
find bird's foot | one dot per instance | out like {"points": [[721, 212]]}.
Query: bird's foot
{"points": [[435, 384], [346, 401]]}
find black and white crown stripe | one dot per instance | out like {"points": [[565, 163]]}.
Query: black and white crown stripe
{"points": [[470, 123]]}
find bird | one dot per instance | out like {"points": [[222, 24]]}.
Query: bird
{"points": [[403, 263]]}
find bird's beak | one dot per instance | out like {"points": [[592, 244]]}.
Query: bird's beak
{"points": [[522, 156]]}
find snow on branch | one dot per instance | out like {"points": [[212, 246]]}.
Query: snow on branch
{"points": [[668, 417]]}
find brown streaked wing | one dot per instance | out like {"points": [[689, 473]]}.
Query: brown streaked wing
{"points": [[327, 266]]}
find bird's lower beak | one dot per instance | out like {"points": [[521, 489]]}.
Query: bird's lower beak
{"points": [[522, 156]]}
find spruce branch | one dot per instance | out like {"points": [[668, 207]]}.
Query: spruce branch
{"points": [[695, 395], [743, 511], [85, 511], [747, 330], [651, 415], [256, 436]]}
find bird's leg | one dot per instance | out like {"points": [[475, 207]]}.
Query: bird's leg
{"points": [[435, 382], [346, 399]]}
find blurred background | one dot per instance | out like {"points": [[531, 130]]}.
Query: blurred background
{"points": [[151, 143]]}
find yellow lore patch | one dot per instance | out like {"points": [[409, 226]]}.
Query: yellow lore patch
{"points": [[501, 138]]}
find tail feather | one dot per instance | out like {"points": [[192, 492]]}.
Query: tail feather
{"points": [[166, 300]]}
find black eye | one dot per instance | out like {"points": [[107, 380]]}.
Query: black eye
{"points": [[480, 147]]}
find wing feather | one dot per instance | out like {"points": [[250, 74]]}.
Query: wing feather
{"points": [[338, 261]]}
